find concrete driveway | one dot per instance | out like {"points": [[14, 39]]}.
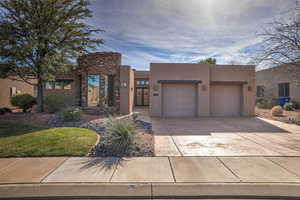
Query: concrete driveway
{"points": [[225, 137]]}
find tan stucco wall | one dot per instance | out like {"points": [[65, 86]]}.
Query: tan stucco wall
{"points": [[6, 84], [206, 73], [238, 73], [126, 93], [141, 74]]}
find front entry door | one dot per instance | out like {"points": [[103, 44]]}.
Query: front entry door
{"points": [[142, 97]]}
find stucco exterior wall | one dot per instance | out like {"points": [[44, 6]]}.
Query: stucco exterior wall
{"points": [[206, 73], [6, 84], [238, 73], [270, 78], [141, 74], [126, 92], [72, 96]]}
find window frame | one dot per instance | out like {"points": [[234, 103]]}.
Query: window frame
{"points": [[260, 91], [284, 89]]}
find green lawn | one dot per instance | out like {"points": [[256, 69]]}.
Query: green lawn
{"points": [[27, 140]]}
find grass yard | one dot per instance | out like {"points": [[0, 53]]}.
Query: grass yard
{"points": [[18, 140]]}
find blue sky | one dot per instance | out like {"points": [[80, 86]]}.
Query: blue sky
{"points": [[146, 31]]}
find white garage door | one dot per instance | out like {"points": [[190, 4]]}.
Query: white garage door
{"points": [[225, 100], [179, 100]]}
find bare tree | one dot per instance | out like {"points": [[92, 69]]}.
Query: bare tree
{"points": [[281, 40]]}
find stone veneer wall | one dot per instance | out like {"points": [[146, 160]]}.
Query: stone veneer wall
{"points": [[100, 63]]}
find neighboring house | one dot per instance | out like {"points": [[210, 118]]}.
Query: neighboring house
{"points": [[171, 90], [276, 82], [9, 88]]}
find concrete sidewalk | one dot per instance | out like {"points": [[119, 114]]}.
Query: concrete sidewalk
{"points": [[150, 176]]}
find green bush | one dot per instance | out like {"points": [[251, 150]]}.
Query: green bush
{"points": [[277, 111], [23, 101], [71, 114], [288, 106], [135, 116], [295, 105], [119, 134], [54, 103], [264, 105]]}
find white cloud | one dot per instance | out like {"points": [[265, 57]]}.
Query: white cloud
{"points": [[183, 31]]}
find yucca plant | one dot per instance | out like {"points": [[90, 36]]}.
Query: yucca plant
{"points": [[119, 135]]}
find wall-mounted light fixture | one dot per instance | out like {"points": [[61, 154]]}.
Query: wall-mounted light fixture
{"points": [[155, 87], [249, 88]]}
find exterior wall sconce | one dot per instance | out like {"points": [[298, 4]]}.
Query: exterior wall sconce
{"points": [[124, 84], [155, 87], [249, 88], [204, 88]]}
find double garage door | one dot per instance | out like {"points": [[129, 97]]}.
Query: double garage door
{"points": [[180, 100]]}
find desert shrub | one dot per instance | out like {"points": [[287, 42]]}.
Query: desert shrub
{"points": [[295, 105], [135, 116], [119, 135], [23, 101], [71, 114], [264, 105], [288, 106], [277, 111], [54, 103]]}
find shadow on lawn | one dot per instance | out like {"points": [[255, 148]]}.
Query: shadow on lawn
{"points": [[8, 129]]}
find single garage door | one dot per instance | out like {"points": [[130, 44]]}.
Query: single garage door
{"points": [[225, 100], [179, 100]]}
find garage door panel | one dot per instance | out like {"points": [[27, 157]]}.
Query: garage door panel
{"points": [[179, 100], [225, 100]]}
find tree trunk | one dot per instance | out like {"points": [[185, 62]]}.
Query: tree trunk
{"points": [[40, 96]]}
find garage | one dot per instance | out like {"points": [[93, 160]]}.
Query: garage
{"points": [[179, 100], [225, 100]]}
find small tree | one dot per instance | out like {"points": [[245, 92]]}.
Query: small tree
{"points": [[208, 61], [40, 37], [281, 44]]}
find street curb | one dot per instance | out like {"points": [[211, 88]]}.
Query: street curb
{"points": [[150, 190], [102, 190]]}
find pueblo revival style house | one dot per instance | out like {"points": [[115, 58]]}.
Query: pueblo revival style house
{"points": [[102, 83]]}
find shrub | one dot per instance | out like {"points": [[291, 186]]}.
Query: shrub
{"points": [[277, 111], [119, 134], [23, 101], [54, 103], [288, 106], [264, 105], [295, 105], [71, 114], [135, 116]]}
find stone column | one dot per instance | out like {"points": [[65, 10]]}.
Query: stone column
{"points": [[84, 90]]}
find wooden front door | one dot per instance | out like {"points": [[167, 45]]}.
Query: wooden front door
{"points": [[142, 97]]}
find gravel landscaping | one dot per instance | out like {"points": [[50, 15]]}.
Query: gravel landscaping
{"points": [[288, 116]]}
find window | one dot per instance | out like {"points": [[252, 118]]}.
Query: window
{"points": [[58, 85], [142, 82], [49, 85], [260, 91], [284, 89], [13, 91]]}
